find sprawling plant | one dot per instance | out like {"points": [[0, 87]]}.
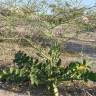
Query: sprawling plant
{"points": [[48, 71]]}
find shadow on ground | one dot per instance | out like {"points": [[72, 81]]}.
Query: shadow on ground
{"points": [[84, 48]]}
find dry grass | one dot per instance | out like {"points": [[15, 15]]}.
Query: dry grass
{"points": [[8, 50]]}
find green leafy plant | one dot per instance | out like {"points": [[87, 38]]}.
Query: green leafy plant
{"points": [[48, 71]]}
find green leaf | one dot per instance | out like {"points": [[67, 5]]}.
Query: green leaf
{"points": [[5, 72], [17, 71], [84, 61], [11, 70], [1, 75]]}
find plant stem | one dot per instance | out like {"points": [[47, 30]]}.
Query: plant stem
{"points": [[56, 93], [54, 90]]}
